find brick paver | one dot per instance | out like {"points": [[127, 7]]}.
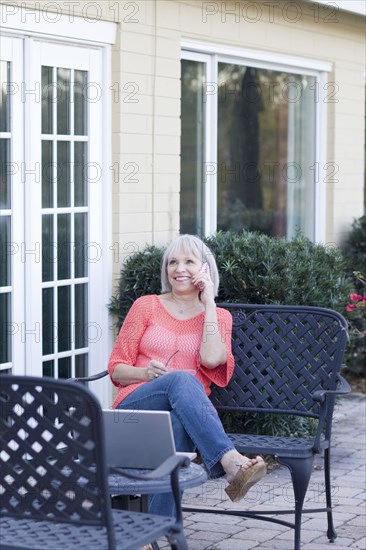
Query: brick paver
{"points": [[219, 532]]}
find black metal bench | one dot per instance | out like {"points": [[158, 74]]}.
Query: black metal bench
{"points": [[287, 362]]}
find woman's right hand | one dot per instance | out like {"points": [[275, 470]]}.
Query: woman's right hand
{"points": [[154, 370]]}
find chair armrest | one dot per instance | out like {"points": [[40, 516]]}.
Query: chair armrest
{"points": [[321, 397], [90, 378], [344, 388]]}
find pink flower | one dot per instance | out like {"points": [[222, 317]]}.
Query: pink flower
{"points": [[350, 307], [355, 297], [364, 298]]}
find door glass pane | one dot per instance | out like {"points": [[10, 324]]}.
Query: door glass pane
{"points": [[6, 248], [48, 321], [81, 250], [63, 246], [5, 328], [49, 368], [64, 367], [81, 315], [63, 173], [64, 318], [266, 146], [4, 99], [5, 195], [81, 365], [63, 101], [48, 98], [80, 91], [49, 248], [80, 174], [48, 169], [192, 148]]}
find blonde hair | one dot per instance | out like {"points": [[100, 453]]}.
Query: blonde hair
{"points": [[189, 245]]}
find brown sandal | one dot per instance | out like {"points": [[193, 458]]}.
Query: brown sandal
{"points": [[244, 480]]}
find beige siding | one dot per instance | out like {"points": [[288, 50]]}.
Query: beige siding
{"points": [[336, 37], [146, 98]]}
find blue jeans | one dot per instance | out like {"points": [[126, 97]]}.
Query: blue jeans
{"points": [[196, 424]]}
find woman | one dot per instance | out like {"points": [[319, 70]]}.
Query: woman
{"points": [[169, 350]]}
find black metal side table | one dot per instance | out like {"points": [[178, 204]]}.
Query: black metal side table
{"points": [[133, 495]]}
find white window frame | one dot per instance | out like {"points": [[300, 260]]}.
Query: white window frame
{"points": [[211, 54], [96, 37]]}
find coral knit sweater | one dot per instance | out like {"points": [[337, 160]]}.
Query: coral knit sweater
{"points": [[151, 332]]}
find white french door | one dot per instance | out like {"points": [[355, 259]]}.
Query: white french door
{"points": [[55, 266]]}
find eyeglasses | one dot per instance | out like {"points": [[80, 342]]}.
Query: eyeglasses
{"points": [[171, 357], [190, 371]]}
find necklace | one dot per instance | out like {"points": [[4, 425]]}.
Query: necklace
{"points": [[181, 309]]}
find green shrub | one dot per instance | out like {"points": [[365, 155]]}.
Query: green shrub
{"points": [[355, 249], [257, 268], [355, 254], [356, 316], [254, 268], [271, 424]]}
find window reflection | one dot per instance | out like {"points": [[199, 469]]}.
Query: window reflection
{"points": [[4, 100], [265, 149], [80, 174], [80, 91], [48, 91], [48, 321], [192, 148], [63, 101], [63, 174], [5, 196], [5, 333], [5, 247], [266, 124]]}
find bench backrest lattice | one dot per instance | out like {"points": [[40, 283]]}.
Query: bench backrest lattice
{"points": [[283, 355]]}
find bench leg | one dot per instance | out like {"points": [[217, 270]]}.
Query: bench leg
{"points": [[300, 469], [331, 533]]}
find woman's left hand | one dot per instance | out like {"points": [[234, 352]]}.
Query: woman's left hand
{"points": [[204, 284], [155, 369]]}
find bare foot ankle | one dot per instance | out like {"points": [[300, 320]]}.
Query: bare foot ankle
{"points": [[233, 461], [247, 474]]}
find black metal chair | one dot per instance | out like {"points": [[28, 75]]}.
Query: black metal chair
{"points": [[287, 362], [54, 489]]}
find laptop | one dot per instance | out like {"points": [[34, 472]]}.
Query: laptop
{"points": [[139, 439]]}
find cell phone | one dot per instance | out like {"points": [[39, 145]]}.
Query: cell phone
{"points": [[204, 269]]}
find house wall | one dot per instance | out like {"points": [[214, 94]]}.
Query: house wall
{"points": [[151, 46], [146, 98]]}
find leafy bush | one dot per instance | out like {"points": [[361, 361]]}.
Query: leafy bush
{"points": [[356, 315], [355, 248], [254, 268], [271, 424], [355, 254]]}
